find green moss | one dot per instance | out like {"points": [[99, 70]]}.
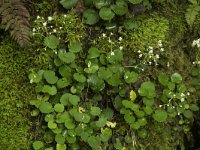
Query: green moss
{"points": [[152, 29], [15, 92], [174, 11]]}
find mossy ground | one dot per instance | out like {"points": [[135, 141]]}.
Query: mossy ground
{"points": [[15, 93], [168, 25]]}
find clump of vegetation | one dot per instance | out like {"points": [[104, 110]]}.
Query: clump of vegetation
{"points": [[129, 85], [15, 94]]}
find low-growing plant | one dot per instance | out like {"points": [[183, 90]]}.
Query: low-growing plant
{"points": [[87, 97], [106, 10]]}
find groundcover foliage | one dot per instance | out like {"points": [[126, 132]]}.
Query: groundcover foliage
{"points": [[89, 98]]}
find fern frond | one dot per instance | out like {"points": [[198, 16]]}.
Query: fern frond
{"points": [[191, 13], [14, 16]]}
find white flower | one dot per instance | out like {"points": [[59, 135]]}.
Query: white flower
{"points": [[65, 16], [168, 64], [112, 53], [104, 35], [54, 30], [61, 27], [34, 29], [194, 43], [50, 18], [126, 77], [140, 55], [111, 33], [89, 64], [150, 63], [182, 99], [109, 41], [188, 93], [121, 47], [157, 56], [160, 43], [162, 49], [151, 51], [44, 24], [38, 17], [139, 51], [160, 106], [150, 47], [55, 52], [182, 94], [120, 38]]}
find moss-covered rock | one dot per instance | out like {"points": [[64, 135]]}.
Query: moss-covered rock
{"points": [[15, 93]]}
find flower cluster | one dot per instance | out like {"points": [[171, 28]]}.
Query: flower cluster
{"points": [[62, 26], [151, 55], [196, 43], [109, 42]]}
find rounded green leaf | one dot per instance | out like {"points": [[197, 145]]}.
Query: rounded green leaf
{"points": [[79, 77], [160, 115], [194, 107], [35, 77], [96, 83], [51, 90], [69, 125], [188, 114], [163, 79], [142, 121], [176, 78], [62, 83], [93, 142], [120, 9], [61, 147], [106, 13], [129, 118], [64, 99], [114, 80], [106, 134], [148, 110], [142, 133], [92, 69], [50, 76], [90, 16], [59, 108], [135, 1], [93, 52], [147, 89], [60, 139], [130, 77], [75, 47], [68, 4], [51, 41], [74, 99], [38, 145], [71, 140], [65, 71], [46, 107], [135, 125], [52, 124], [101, 3], [101, 122], [67, 57], [104, 73], [95, 111], [49, 117], [118, 144]]}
